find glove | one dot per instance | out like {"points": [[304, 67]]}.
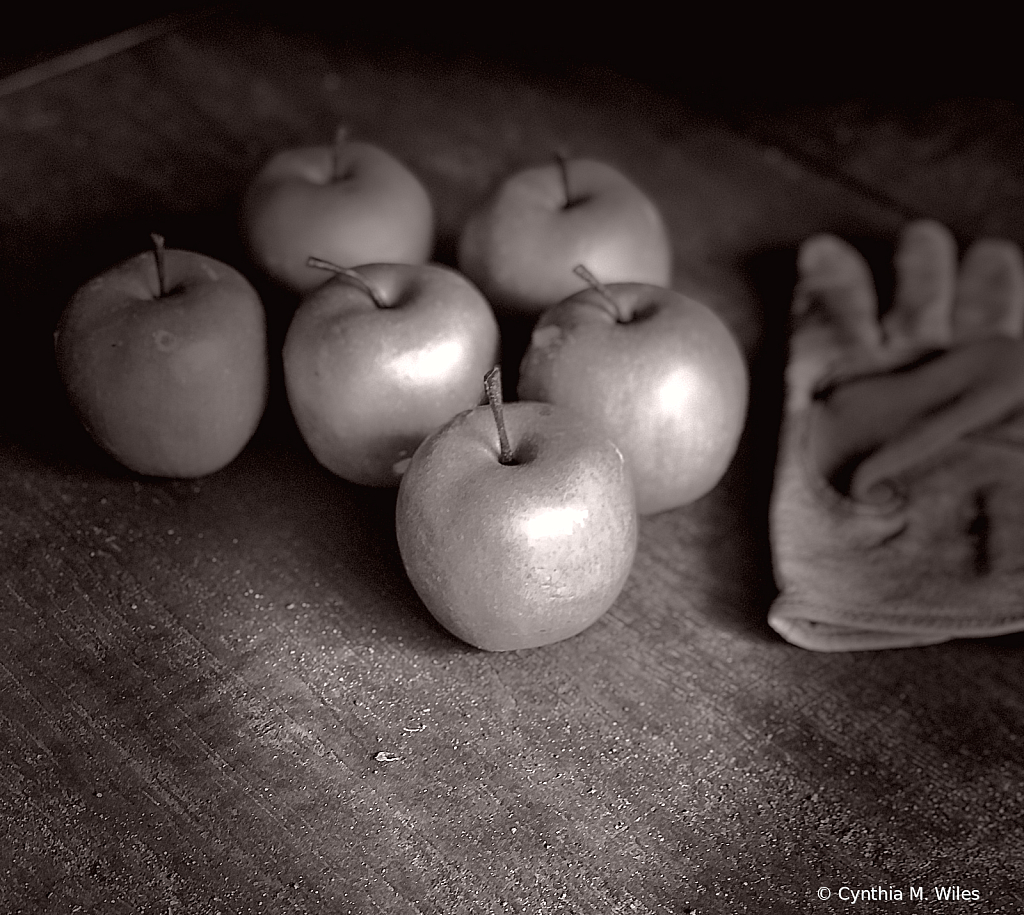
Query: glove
{"points": [[897, 512]]}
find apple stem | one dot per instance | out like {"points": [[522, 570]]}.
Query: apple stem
{"points": [[563, 169], [353, 275], [492, 385], [594, 283], [340, 139], [159, 254]]}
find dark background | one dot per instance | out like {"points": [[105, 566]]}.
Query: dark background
{"points": [[768, 59]]}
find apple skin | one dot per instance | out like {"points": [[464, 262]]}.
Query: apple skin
{"points": [[668, 384], [521, 245], [518, 556], [352, 203], [172, 385], [366, 384]]}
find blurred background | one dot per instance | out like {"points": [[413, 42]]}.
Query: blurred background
{"points": [[722, 55]]}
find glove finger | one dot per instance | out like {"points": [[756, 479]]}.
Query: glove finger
{"points": [[990, 293], [835, 315], [963, 391], [920, 318]]}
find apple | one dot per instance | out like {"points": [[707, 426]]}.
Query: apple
{"points": [[164, 358], [521, 245], [350, 203], [659, 373], [379, 357], [516, 524]]}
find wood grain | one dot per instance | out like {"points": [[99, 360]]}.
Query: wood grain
{"points": [[222, 695]]}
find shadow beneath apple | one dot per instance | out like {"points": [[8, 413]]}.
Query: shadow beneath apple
{"points": [[40, 270], [328, 542], [771, 275], [446, 249], [363, 519], [515, 329], [729, 526], [515, 339], [746, 487], [39, 418]]}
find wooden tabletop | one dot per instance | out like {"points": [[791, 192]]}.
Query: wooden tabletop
{"points": [[223, 696]]}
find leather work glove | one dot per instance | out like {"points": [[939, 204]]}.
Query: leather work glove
{"points": [[897, 514]]}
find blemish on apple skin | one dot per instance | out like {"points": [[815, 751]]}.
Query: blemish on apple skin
{"points": [[548, 335], [165, 340]]}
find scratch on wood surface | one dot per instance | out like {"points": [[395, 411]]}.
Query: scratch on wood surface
{"points": [[89, 54]]}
